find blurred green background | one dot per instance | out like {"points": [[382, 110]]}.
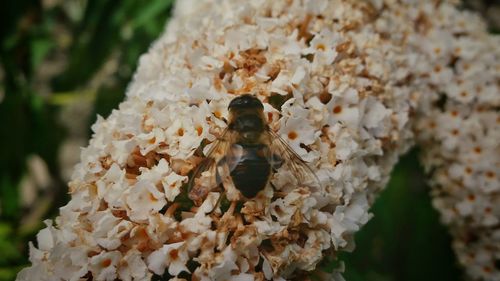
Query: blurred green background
{"points": [[62, 62]]}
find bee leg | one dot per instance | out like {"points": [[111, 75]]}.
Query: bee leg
{"points": [[217, 203], [218, 177]]}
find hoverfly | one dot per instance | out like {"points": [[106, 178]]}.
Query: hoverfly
{"points": [[247, 154]]}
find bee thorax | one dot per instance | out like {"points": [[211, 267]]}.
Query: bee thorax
{"points": [[248, 123]]}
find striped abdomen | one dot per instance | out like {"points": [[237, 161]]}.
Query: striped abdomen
{"points": [[251, 170]]}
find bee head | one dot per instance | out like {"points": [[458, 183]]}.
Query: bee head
{"points": [[245, 101], [246, 117]]}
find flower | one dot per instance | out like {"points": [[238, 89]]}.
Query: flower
{"points": [[104, 265], [173, 256], [348, 87], [133, 267]]}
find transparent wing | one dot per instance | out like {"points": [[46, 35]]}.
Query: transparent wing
{"points": [[212, 170], [289, 166]]}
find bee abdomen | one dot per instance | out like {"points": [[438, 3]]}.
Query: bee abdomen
{"points": [[251, 176]]}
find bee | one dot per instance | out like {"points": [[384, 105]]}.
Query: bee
{"points": [[247, 154]]}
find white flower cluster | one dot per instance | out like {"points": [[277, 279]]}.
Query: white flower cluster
{"points": [[458, 124], [345, 83], [456, 77]]}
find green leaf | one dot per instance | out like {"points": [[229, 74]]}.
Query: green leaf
{"points": [[150, 11], [9, 197], [39, 49], [8, 273], [7, 247]]}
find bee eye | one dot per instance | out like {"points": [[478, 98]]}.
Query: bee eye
{"points": [[246, 101]]}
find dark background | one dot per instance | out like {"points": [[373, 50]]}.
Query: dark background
{"points": [[62, 62]]}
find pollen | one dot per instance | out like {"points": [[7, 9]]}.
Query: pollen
{"points": [[218, 82], [337, 109], [106, 263], [292, 135], [199, 130], [152, 198], [490, 174], [174, 254], [180, 132], [321, 47]]}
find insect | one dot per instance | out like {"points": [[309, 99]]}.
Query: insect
{"points": [[247, 154]]}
